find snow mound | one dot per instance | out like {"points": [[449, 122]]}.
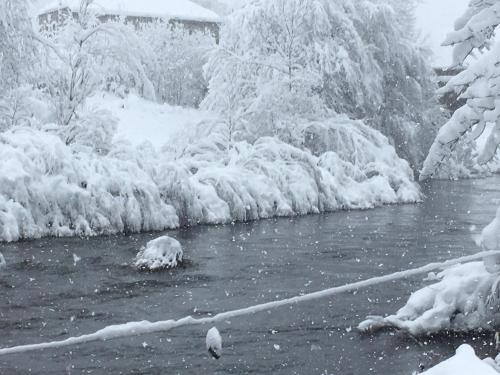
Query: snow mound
{"points": [[162, 253], [214, 342], [465, 362], [460, 301], [49, 188], [179, 9]]}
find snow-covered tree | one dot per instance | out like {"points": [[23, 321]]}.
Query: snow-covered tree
{"points": [[478, 54], [176, 59], [465, 297], [15, 42], [16, 60], [304, 58], [406, 109], [269, 65], [84, 55]]}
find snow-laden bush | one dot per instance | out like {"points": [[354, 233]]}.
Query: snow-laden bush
{"points": [[94, 130], [466, 297], [162, 253], [48, 188]]}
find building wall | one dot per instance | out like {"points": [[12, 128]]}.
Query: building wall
{"points": [[52, 20]]}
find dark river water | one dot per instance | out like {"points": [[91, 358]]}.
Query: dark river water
{"points": [[44, 296]]}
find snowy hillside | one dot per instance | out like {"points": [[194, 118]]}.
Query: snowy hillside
{"points": [[140, 120]]}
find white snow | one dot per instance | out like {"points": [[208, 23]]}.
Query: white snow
{"points": [[143, 121], [458, 302], [180, 9], [214, 342], [490, 236], [3, 263], [465, 362], [162, 253], [76, 259]]}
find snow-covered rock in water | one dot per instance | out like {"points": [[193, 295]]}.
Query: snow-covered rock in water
{"points": [[3, 263], [162, 253], [214, 342], [465, 362], [462, 300]]}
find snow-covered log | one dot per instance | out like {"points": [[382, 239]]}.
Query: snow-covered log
{"points": [[458, 302]]}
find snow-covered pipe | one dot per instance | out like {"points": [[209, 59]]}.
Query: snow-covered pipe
{"points": [[146, 327]]}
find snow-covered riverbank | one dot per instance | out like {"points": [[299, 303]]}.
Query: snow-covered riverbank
{"points": [[49, 188]]}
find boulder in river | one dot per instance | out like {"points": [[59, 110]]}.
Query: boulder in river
{"points": [[162, 253]]}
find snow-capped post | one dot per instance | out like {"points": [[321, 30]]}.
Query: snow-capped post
{"points": [[146, 327], [214, 342], [162, 253], [3, 263]]}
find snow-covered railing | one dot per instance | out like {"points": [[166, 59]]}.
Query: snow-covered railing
{"points": [[146, 327]]}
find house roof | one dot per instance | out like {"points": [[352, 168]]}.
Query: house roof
{"points": [[179, 9]]}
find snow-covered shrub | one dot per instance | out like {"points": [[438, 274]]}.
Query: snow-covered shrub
{"points": [[93, 129], [175, 66], [162, 253], [282, 60], [49, 188]]}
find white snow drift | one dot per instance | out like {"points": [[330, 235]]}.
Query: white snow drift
{"points": [[466, 297], [458, 302], [48, 188], [162, 253], [465, 362]]}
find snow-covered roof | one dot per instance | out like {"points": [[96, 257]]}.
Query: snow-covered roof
{"points": [[179, 9]]}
